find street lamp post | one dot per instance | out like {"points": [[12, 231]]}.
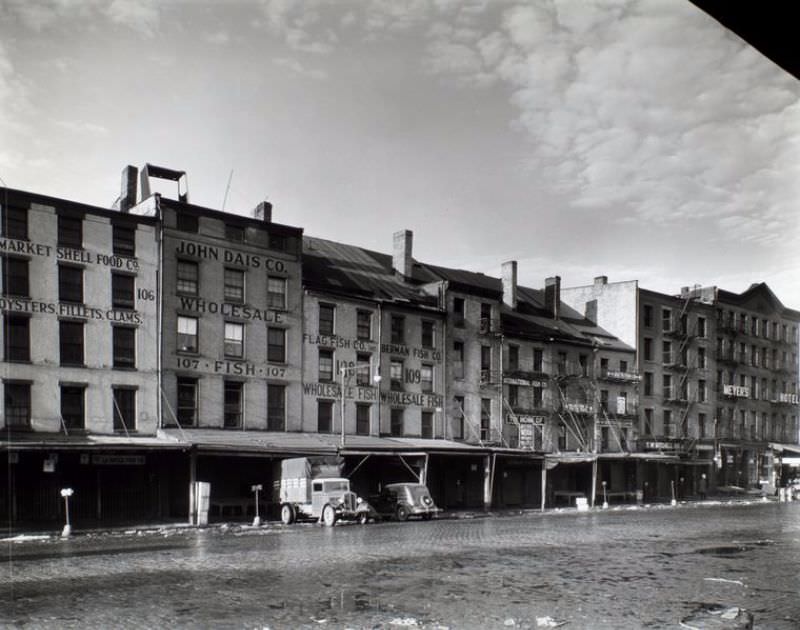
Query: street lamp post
{"points": [[66, 493], [256, 488], [344, 371]]}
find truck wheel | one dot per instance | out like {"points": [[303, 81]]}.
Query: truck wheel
{"points": [[287, 514], [402, 513], [328, 516], [363, 518]]}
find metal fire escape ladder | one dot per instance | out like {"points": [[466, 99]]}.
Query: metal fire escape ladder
{"points": [[575, 429], [471, 425], [615, 431]]}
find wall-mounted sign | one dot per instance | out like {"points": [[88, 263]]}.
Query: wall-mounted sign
{"points": [[118, 460], [737, 391], [243, 259]]}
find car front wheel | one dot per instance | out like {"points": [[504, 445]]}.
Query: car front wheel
{"points": [[363, 518], [328, 516], [287, 514], [402, 513]]}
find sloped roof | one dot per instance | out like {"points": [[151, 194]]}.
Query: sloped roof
{"points": [[755, 290], [347, 269]]}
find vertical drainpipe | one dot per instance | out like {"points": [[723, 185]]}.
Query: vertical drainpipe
{"points": [[302, 345], [159, 306], [445, 340], [380, 363]]}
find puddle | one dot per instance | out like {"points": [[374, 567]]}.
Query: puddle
{"points": [[736, 548]]}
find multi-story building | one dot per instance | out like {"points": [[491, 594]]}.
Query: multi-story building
{"points": [[709, 376], [80, 342]]}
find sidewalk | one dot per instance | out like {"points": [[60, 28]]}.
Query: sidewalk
{"points": [[168, 529]]}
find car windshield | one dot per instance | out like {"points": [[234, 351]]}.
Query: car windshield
{"points": [[336, 486]]}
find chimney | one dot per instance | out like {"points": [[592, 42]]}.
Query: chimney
{"points": [[263, 212], [401, 257], [509, 276], [600, 280], [591, 310], [127, 195], [552, 295]]}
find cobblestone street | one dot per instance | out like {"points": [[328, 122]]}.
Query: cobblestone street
{"points": [[615, 569]]}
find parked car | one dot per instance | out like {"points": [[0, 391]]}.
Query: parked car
{"points": [[403, 500]]}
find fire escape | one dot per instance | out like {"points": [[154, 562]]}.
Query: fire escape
{"points": [[576, 409], [528, 420], [624, 414], [491, 381], [682, 367]]}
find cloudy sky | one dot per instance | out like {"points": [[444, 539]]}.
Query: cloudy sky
{"points": [[635, 139]]}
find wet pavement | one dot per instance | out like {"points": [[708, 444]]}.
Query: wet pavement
{"points": [[625, 568]]}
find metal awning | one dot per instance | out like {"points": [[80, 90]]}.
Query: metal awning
{"points": [[36, 441]]}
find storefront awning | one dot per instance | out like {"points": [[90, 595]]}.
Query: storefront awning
{"points": [[785, 448], [36, 441]]}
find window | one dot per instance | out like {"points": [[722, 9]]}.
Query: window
{"points": [[363, 369], [188, 277], [72, 406], [233, 410], [458, 415], [427, 334], [16, 338], [537, 397], [398, 329], [396, 426], [486, 358], [562, 436], [604, 400], [458, 359], [15, 276], [513, 396], [426, 378], [15, 223], [701, 425], [70, 284], [234, 285], [124, 399], [486, 317], [234, 233], [187, 402], [666, 319], [396, 375], [276, 293], [459, 307], [538, 360], [326, 318], [648, 349], [123, 240], [562, 363], [701, 327], [186, 222], [648, 422], [701, 358], [583, 362], [324, 416], [70, 232], [325, 365], [234, 340], [427, 424], [667, 422], [276, 407], [362, 419], [17, 397], [364, 324], [513, 358], [71, 342], [277, 242], [623, 367], [666, 352], [486, 419], [122, 290], [667, 386], [124, 346], [187, 334], [604, 438], [701, 390], [648, 315], [276, 345]]}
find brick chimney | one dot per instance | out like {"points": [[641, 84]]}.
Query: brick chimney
{"points": [[263, 212], [127, 195], [401, 254], [600, 280], [552, 295], [509, 277]]}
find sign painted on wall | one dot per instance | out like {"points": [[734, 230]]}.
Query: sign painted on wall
{"points": [[8, 245], [411, 351], [240, 311], [372, 394], [244, 259], [80, 311], [335, 341], [230, 368], [736, 391], [118, 460]]}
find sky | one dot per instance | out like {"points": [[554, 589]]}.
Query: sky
{"points": [[632, 139]]}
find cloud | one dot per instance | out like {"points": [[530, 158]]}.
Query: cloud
{"points": [[82, 127], [220, 38], [295, 66], [140, 15]]}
